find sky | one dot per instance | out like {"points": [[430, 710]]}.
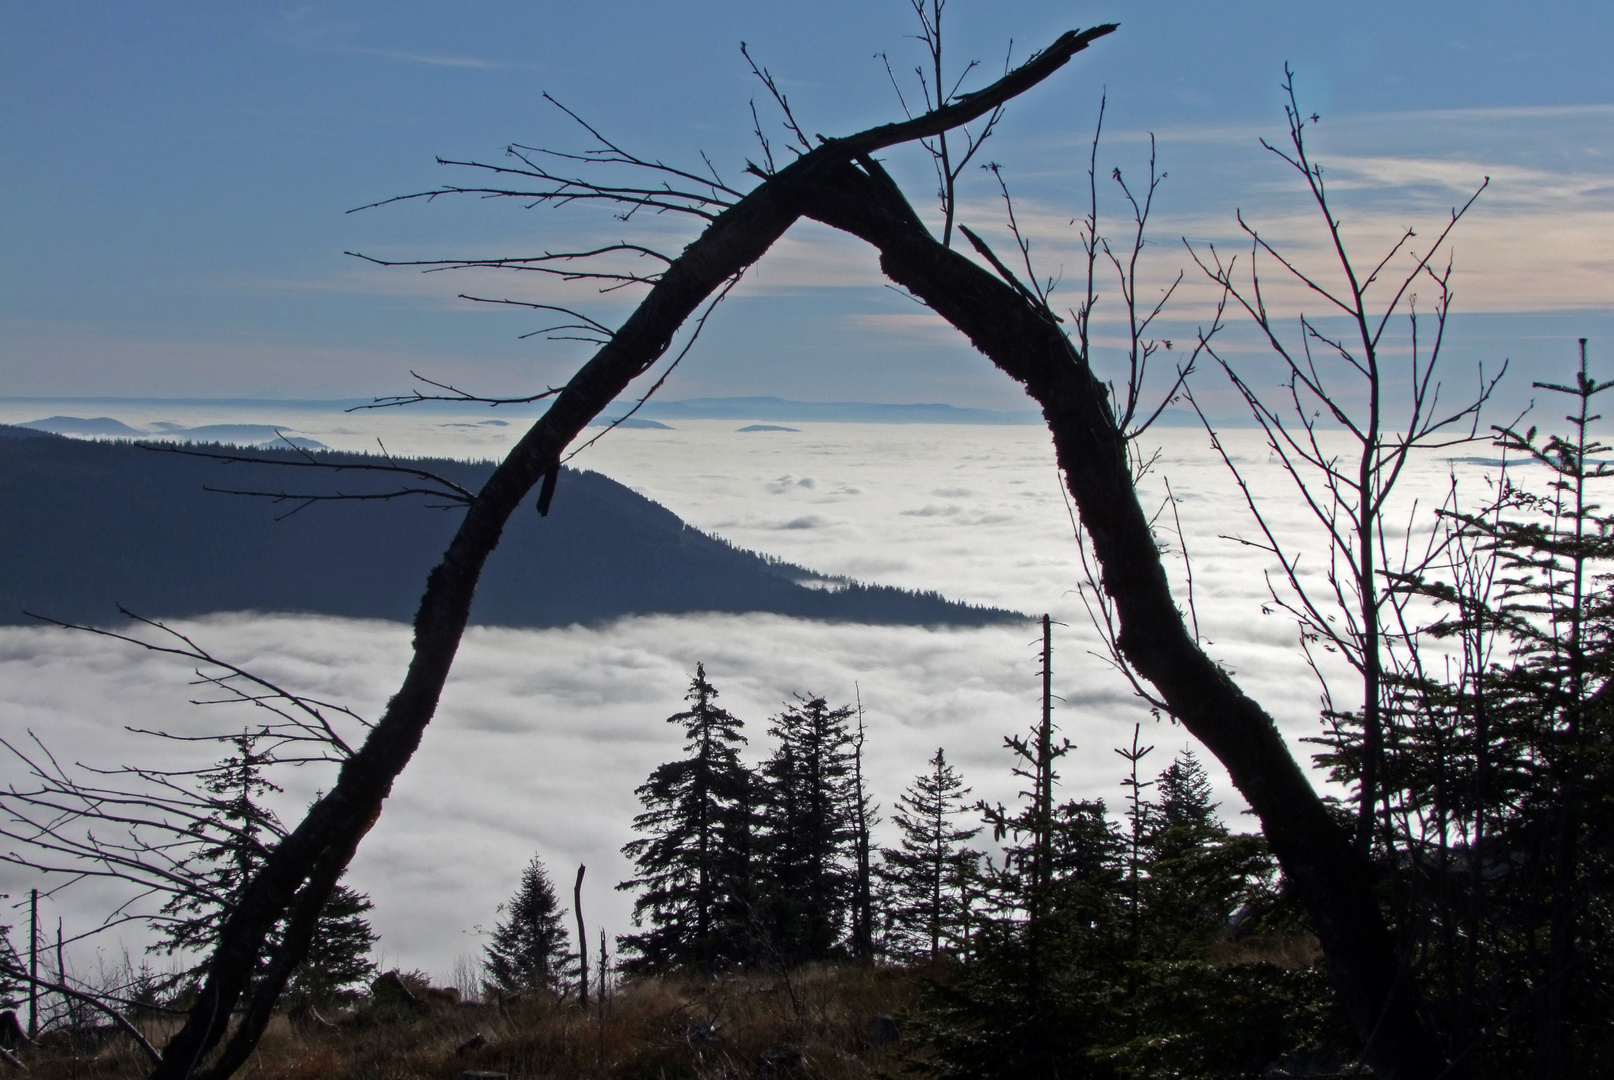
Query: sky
{"points": [[177, 177]]}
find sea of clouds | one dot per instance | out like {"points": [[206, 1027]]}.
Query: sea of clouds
{"points": [[543, 735]]}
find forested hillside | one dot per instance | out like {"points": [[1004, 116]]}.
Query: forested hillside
{"points": [[91, 525]]}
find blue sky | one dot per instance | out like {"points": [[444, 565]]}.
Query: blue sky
{"points": [[176, 175]]}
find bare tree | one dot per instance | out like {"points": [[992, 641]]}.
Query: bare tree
{"points": [[865, 817], [1345, 383], [103, 999], [937, 86], [1139, 399], [1025, 339]]}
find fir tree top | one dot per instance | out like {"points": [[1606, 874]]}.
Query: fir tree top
{"points": [[1184, 794], [528, 950]]}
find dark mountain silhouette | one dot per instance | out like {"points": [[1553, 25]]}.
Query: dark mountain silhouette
{"points": [[90, 525], [101, 426], [105, 427]]}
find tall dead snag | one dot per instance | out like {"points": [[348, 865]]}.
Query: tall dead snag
{"points": [[298, 875], [582, 940], [1020, 334]]}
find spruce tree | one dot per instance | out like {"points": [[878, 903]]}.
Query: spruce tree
{"points": [[1183, 793], [1554, 829], [1497, 815], [528, 950], [233, 839], [808, 831], [1026, 878], [1199, 872], [1117, 982], [923, 873], [692, 861], [339, 956]]}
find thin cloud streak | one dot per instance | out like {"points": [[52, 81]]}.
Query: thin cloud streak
{"points": [[434, 60], [1370, 124], [51, 360], [908, 330]]}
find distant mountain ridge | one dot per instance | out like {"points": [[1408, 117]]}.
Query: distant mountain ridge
{"points": [[90, 525], [105, 427], [709, 408]]}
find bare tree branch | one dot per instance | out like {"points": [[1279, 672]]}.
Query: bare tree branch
{"points": [[13, 968], [454, 393], [1346, 494]]}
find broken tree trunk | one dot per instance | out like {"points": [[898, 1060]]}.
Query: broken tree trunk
{"points": [[582, 940]]}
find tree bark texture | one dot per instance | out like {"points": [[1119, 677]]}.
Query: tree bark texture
{"points": [[298, 872], [1022, 338]]}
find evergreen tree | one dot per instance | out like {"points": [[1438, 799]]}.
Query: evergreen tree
{"points": [[807, 831], [1112, 979], [528, 950], [339, 956], [1086, 846], [233, 839], [1087, 863], [1037, 997], [693, 859], [1198, 872], [925, 871], [1025, 880], [13, 989], [1496, 821], [1184, 795], [1551, 721]]}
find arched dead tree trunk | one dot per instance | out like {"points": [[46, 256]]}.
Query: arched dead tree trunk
{"points": [[299, 874], [1019, 334]]}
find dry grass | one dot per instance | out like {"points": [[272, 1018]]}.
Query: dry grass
{"points": [[1293, 951], [817, 1023]]}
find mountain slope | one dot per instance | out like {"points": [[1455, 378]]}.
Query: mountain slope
{"points": [[89, 525]]}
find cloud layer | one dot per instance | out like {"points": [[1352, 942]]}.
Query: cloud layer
{"points": [[543, 735]]}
